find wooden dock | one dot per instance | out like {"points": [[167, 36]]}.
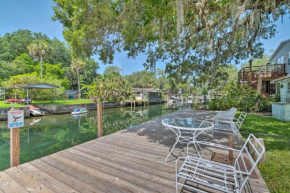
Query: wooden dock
{"points": [[130, 160]]}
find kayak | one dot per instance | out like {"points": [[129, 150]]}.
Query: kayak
{"points": [[79, 111]]}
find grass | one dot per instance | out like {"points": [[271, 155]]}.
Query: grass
{"points": [[64, 102], [276, 134], [4, 105]]}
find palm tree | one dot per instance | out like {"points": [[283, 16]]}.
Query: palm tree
{"points": [[37, 49], [78, 66]]}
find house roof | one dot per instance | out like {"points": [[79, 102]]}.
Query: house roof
{"points": [[144, 89], [279, 48], [42, 85]]}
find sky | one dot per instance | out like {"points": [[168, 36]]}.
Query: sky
{"points": [[35, 15]]}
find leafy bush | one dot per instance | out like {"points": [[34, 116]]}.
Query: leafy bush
{"points": [[243, 98]]}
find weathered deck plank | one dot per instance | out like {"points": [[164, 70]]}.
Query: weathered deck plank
{"points": [[86, 175], [9, 185], [131, 160], [64, 177], [26, 181], [49, 181]]}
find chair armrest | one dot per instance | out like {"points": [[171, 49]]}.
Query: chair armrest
{"points": [[211, 145]]}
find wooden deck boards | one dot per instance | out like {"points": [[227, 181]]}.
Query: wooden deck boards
{"points": [[131, 160]]}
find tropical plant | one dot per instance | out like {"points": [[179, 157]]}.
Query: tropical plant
{"points": [[37, 49], [77, 65], [111, 87]]}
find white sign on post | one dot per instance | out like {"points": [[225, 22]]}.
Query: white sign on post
{"points": [[15, 118]]}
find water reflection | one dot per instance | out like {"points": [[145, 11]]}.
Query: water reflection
{"points": [[50, 134]]}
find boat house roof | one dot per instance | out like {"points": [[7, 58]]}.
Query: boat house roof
{"points": [[42, 85], [144, 89]]}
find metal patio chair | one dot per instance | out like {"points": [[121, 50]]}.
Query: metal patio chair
{"points": [[234, 126], [225, 116], [217, 176]]}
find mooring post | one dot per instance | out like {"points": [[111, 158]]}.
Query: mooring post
{"points": [[231, 144], [100, 114], [14, 147]]}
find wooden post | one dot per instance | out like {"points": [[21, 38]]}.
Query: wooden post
{"points": [[100, 114], [231, 144], [14, 147], [27, 102], [259, 85], [15, 97]]}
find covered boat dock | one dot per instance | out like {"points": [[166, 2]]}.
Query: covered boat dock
{"points": [[30, 86]]}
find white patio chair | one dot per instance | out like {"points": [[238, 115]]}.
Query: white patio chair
{"points": [[225, 116], [217, 176], [234, 126]]}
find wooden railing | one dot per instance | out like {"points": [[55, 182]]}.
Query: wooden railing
{"points": [[268, 71]]}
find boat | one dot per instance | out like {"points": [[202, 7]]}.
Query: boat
{"points": [[35, 111], [7, 101], [79, 111]]}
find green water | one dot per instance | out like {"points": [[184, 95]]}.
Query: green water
{"points": [[49, 134]]}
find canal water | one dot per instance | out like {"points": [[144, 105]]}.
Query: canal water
{"points": [[42, 136]]}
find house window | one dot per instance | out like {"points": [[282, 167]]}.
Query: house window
{"points": [[282, 60], [138, 94]]}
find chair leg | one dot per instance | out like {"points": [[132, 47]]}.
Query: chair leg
{"points": [[172, 148], [197, 151], [176, 184]]}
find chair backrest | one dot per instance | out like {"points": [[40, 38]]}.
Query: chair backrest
{"points": [[253, 149], [230, 113], [233, 111], [240, 120]]}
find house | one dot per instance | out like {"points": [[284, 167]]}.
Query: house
{"points": [[281, 110], [266, 79], [71, 94], [282, 56], [149, 94]]}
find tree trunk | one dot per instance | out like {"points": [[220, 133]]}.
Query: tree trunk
{"points": [[41, 67], [79, 86]]}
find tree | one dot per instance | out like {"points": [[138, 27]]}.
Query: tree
{"points": [[198, 33], [142, 79], [37, 49], [110, 86], [21, 65], [59, 53], [14, 44], [112, 71], [90, 71], [259, 61], [77, 65]]}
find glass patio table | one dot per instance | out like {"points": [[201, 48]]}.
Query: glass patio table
{"points": [[186, 130]]}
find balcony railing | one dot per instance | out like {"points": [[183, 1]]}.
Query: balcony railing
{"points": [[269, 71]]}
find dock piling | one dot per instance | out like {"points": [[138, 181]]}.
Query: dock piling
{"points": [[14, 147]]}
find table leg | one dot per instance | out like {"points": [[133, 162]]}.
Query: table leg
{"points": [[172, 148]]}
